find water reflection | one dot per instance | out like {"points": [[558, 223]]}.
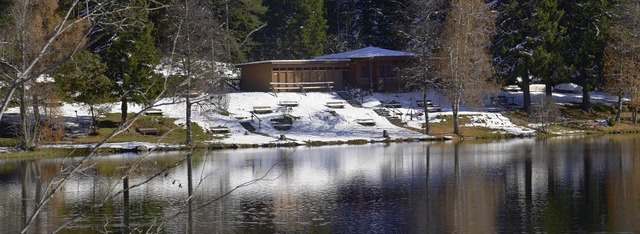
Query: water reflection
{"points": [[524, 185]]}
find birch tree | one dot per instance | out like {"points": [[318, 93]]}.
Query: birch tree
{"points": [[465, 63]]}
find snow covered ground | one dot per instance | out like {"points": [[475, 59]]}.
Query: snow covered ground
{"points": [[315, 121]]}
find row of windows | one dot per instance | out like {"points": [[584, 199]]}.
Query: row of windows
{"points": [[310, 68]]}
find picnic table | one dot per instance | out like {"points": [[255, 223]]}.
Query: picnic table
{"points": [[148, 131], [262, 109], [219, 130], [153, 111], [390, 104], [335, 104], [366, 122], [288, 103]]}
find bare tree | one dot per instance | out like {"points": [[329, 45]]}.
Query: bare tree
{"points": [[465, 67], [424, 41], [622, 56], [196, 47], [39, 38]]}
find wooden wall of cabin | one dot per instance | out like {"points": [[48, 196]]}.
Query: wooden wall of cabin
{"points": [[255, 77], [378, 74], [295, 73]]}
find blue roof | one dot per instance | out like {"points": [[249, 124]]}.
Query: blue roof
{"points": [[369, 52]]}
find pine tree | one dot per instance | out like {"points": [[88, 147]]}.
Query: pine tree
{"points": [[373, 23], [295, 29], [242, 20], [131, 57], [529, 44], [589, 23], [548, 43], [82, 80]]}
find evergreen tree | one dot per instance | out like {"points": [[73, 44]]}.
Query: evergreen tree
{"points": [[511, 50], [82, 80], [295, 29], [131, 57], [529, 44], [548, 44], [242, 20], [363, 23], [589, 23]]}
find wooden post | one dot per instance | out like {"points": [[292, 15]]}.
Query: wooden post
{"points": [[190, 192], [125, 185]]}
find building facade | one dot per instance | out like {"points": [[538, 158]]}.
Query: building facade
{"points": [[369, 68]]}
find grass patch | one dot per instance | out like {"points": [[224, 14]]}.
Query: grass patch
{"points": [[168, 131], [44, 154]]}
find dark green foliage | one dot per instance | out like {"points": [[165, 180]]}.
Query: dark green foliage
{"points": [[295, 29], [131, 57], [82, 79], [589, 23], [530, 43], [5, 5], [362, 23], [241, 20]]}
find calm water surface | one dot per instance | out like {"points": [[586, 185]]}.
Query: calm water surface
{"points": [[523, 185]]}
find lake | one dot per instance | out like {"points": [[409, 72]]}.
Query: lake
{"points": [[570, 184]]}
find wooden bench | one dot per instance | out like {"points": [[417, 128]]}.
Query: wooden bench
{"points": [[148, 131], [219, 130], [390, 104], [420, 103], [434, 108], [288, 103], [366, 122], [275, 86], [335, 104], [512, 88], [153, 111], [262, 109]]}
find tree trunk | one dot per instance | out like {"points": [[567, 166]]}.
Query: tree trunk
{"points": [[427, 129], [634, 114], [526, 94], [619, 112], [123, 107], [189, 139], [26, 139], [94, 120], [455, 108], [548, 91], [37, 117], [586, 99]]}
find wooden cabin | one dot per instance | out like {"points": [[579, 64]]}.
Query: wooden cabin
{"points": [[369, 68]]}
